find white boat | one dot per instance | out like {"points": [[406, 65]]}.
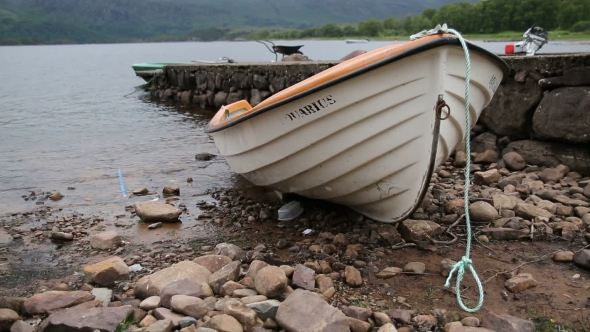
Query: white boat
{"points": [[357, 41], [364, 133]]}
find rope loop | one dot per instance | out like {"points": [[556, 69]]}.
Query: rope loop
{"points": [[465, 263]]}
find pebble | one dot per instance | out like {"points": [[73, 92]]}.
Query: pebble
{"points": [[563, 256], [415, 267], [155, 225], [520, 282]]}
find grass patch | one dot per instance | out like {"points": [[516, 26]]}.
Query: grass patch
{"points": [[125, 325], [358, 303], [549, 325]]}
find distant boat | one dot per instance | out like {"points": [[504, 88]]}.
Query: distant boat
{"points": [[148, 70], [357, 41], [366, 133]]}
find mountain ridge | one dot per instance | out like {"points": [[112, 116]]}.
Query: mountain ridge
{"points": [[84, 21]]}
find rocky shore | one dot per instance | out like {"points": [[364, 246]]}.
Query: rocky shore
{"points": [[328, 270]]}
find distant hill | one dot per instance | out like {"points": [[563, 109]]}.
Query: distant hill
{"points": [[85, 21]]}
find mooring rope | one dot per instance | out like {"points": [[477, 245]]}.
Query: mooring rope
{"points": [[465, 263], [146, 84]]}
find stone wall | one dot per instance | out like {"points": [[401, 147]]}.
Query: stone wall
{"points": [[542, 111], [212, 85]]}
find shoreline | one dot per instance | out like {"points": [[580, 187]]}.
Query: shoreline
{"points": [[248, 220], [482, 38]]}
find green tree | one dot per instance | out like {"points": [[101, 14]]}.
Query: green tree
{"points": [[463, 17], [573, 11], [330, 30], [370, 28], [429, 13], [349, 30], [309, 33]]}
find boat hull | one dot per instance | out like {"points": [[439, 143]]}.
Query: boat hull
{"points": [[369, 142], [148, 70]]}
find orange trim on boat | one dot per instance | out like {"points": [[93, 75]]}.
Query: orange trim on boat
{"points": [[225, 116]]}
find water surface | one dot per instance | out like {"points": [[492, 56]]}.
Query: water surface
{"points": [[65, 121]]}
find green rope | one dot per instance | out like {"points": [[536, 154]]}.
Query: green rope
{"points": [[465, 263]]}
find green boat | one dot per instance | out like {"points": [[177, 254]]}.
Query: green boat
{"points": [[148, 70]]}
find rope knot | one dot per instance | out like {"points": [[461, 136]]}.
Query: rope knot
{"points": [[465, 261]]}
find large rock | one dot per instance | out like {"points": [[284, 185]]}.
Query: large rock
{"points": [[7, 318], [157, 212], [514, 161], [106, 272], [255, 266], [225, 323], [487, 177], [161, 326], [305, 311], [213, 262], [563, 115], [502, 201], [418, 230], [389, 233], [506, 323], [105, 240], [484, 142], [265, 309], [230, 250], [153, 284], [577, 76], [529, 211], [271, 281], [45, 303], [582, 259], [352, 276], [304, 277], [483, 212], [14, 303], [189, 306], [230, 272], [186, 287], [508, 114], [103, 319], [21, 326], [357, 313], [551, 154], [164, 313], [243, 314], [220, 99]]}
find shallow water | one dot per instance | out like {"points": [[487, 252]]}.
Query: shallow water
{"points": [[65, 121]]}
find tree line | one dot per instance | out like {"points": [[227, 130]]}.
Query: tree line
{"points": [[483, 17]]}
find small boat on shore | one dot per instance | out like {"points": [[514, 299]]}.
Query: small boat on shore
{"points": [[366, 133], [148, 70], [357, 41]]}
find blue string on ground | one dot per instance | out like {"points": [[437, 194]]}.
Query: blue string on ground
{"points": [[465, 263], [121, 183]]}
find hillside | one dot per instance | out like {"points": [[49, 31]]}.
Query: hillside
{"points": [[84, 21]]}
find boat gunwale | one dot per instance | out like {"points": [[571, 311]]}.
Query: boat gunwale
{"points": [[439, 42]]}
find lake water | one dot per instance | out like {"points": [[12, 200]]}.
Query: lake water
{"points": [[65, 120]]}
